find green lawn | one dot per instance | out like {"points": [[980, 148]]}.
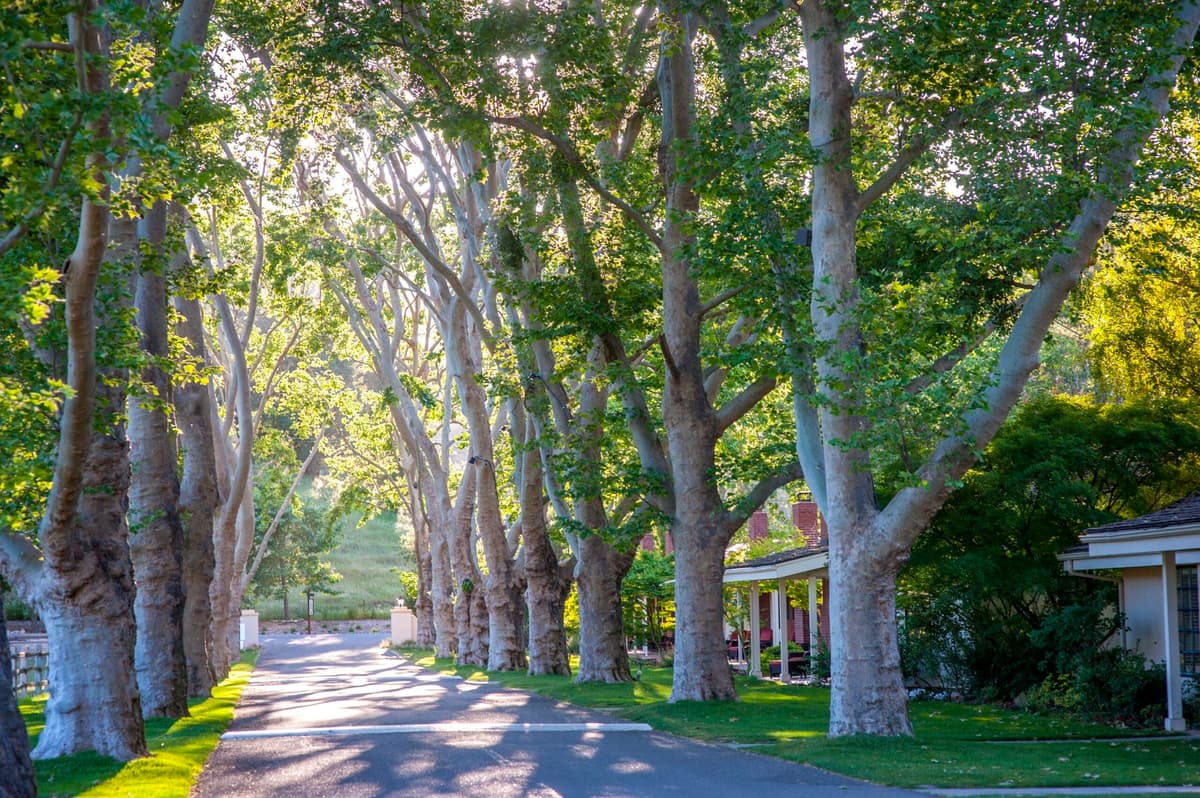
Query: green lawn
{"points": [[178, 749], [955, 745], [367, 558]]}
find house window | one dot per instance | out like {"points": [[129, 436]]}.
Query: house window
{"points": [[1189, 619]]}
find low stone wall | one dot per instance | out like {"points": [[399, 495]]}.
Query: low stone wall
{"points": [[30, 664]]}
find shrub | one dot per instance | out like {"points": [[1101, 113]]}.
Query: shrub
{"points": [[772, 652], [1091, 680], [819, 668], [1111, 685]]}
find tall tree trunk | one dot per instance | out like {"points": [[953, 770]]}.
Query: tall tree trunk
{"points": [[470, 628], [864, 651], [81, 580], [603, 656], [478, 619], [426, 634], [546, 589], [156, 545], [701, 670], [16, 769], [233, 532], [87, 607], [197, 504], [506, 650]]}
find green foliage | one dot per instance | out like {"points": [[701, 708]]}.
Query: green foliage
{"points": [[647, 600], [1092, 679], [308, 530], [1141, 301], [819, 663], [985, 577], [408, 587], [773, 652]]}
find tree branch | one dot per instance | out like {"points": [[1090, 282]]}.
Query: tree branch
{"points": [[20, 564], [427, 255], [762, 490], [721, 299], [919, 145], [951, 359], [740, 405], [568, 151], [82, 276], [910, 510]]}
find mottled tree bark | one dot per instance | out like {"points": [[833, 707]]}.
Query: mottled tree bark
{"points": [[506, 649], [87, 607], [546, 587], [156, 545], [868, 545], [426, 634], [603, 656], [197, 504], [16, 768], [470, 608], [701, 672]]}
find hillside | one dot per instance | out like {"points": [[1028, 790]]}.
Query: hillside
{"points": [[368, 558]]}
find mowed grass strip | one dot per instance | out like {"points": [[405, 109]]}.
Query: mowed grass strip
{"points": [[178, 749], [954, 745]]}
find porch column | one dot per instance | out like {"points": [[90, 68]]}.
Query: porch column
{"points": [[784, 675], [773, 603], [755, 632], [737, 633], [814, 622], [1170, 603]]}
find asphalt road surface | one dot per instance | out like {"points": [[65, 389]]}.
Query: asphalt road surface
{"points": [[336, 715]]}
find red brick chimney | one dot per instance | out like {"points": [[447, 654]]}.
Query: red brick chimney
{"points": [[758, 525], [806, 518]]}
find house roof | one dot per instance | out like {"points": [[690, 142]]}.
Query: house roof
{"points": [[778, 557], [1184, 512], [1141, 542], [803, 563]]}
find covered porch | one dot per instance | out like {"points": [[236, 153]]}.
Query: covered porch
{"points": [[1157, 556], [767, 578]]}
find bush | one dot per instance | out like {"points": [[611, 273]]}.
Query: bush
{"points": [[771, 653], [819, 668], [17, 610], [1113, 685], [1091, 680]]}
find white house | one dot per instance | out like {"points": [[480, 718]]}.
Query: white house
{"points": [[1156, 556]]}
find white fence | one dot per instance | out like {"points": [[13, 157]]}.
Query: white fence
{"points": [[30, 666]]}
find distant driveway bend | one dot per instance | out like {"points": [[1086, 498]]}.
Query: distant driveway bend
{"points": [[337, 716]]}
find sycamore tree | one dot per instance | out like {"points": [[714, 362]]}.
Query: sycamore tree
{"points": [[532, 71], [78, 113], [1040, 114]]}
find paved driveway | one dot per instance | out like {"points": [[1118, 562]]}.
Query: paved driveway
{"points": [[335, 715]]}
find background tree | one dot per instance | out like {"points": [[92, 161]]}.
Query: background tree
{"points": [[985, 578]]}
